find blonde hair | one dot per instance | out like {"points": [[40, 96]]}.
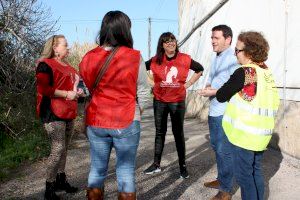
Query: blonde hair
{"points": [[48, 51]]}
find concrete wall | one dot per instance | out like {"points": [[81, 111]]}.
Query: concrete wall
{"points": [[286, 134]]}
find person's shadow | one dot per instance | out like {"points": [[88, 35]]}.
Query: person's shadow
{"points": [[271, 162]]}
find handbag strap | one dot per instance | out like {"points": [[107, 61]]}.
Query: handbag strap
{"points": [[104, 68]]}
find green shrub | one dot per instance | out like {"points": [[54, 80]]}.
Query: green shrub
{"points": [[21, 135], [29, 147]]}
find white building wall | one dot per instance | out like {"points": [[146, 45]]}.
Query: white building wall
{"points": [[266, 16], [279, 20]]}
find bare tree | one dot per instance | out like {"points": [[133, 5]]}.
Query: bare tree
{"points": [[24, 26]]}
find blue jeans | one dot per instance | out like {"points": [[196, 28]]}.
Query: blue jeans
{"points": [[222, 148], [125, 141], [248, 173]]}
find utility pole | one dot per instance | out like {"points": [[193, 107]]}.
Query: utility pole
{"points": [[149, 38]]}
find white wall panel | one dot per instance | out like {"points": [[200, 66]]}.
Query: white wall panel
{"points": [[267, 16]]}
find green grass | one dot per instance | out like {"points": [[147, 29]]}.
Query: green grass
{"points": [[22, 138], [14, 152]]}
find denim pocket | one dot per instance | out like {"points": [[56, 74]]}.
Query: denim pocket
{"points": [[132, 129]]}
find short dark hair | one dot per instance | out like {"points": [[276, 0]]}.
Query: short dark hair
{"points": [[160, 51], [226, 30], [256, 46], [115, 30]]}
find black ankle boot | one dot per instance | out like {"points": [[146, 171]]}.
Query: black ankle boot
{"points": [[50, 191], [62, 184]]}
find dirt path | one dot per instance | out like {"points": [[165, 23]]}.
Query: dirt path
{"points": [[282, 173]]}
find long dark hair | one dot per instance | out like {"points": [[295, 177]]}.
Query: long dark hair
{"points": [[115, 30], [160, 49]]}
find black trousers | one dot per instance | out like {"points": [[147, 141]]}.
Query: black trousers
{"points": [[161, 112]]}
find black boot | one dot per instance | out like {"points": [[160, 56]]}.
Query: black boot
{"points": [[50, 191], [62, 183]]}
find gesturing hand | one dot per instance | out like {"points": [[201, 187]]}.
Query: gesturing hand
{"points": [[80, 92], [207, 92], [71, 95]]}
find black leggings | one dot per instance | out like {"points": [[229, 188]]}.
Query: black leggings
{"points": [[161, 112]]}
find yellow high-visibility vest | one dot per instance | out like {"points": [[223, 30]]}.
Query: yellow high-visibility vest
{"points": [[249, 124]]}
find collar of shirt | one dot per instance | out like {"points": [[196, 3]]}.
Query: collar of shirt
{"points": [[228, 50], [173, 57]]}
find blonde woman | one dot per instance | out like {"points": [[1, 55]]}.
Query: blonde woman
{"points": [[57, 107]]}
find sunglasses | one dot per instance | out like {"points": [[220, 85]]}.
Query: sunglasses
{"points": [[236, 51]]}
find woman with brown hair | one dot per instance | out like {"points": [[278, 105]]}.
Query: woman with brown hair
{"points": [[57, 108]]}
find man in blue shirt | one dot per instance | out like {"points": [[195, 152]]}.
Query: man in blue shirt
{"points": [[223, 65]]}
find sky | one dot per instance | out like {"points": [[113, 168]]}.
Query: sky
{"points": [[80, 20]]}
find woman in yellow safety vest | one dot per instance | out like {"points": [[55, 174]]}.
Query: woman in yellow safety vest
{"points": [[249, 118]]}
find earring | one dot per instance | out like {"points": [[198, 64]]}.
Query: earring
{"points": [[57, 54]]}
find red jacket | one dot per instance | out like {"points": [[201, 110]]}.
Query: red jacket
{"points": [[170, 77], [63, 79], [113, 100]]}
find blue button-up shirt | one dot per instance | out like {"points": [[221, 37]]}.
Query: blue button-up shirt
{"points": [[223, 65]]}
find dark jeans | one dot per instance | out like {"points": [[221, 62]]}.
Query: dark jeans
{"points": [[222, 148], [161, 112], [248, 173]]}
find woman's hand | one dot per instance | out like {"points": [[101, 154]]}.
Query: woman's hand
{"points": [[150, 78], [187, 85], [207, 92], [80, 92], [71, 95], [76, 82]]}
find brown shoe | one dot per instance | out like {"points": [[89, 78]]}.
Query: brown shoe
{"points": [[222, 196], [127, 196], [94, 194], [213, 184]]}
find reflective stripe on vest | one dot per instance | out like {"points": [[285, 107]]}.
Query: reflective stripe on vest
{"points": [[249, 125], [253, 110], [241, 126]]}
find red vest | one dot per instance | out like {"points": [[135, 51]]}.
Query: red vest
{"points": [[63, 79], [113, 101], [170, 77]]}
